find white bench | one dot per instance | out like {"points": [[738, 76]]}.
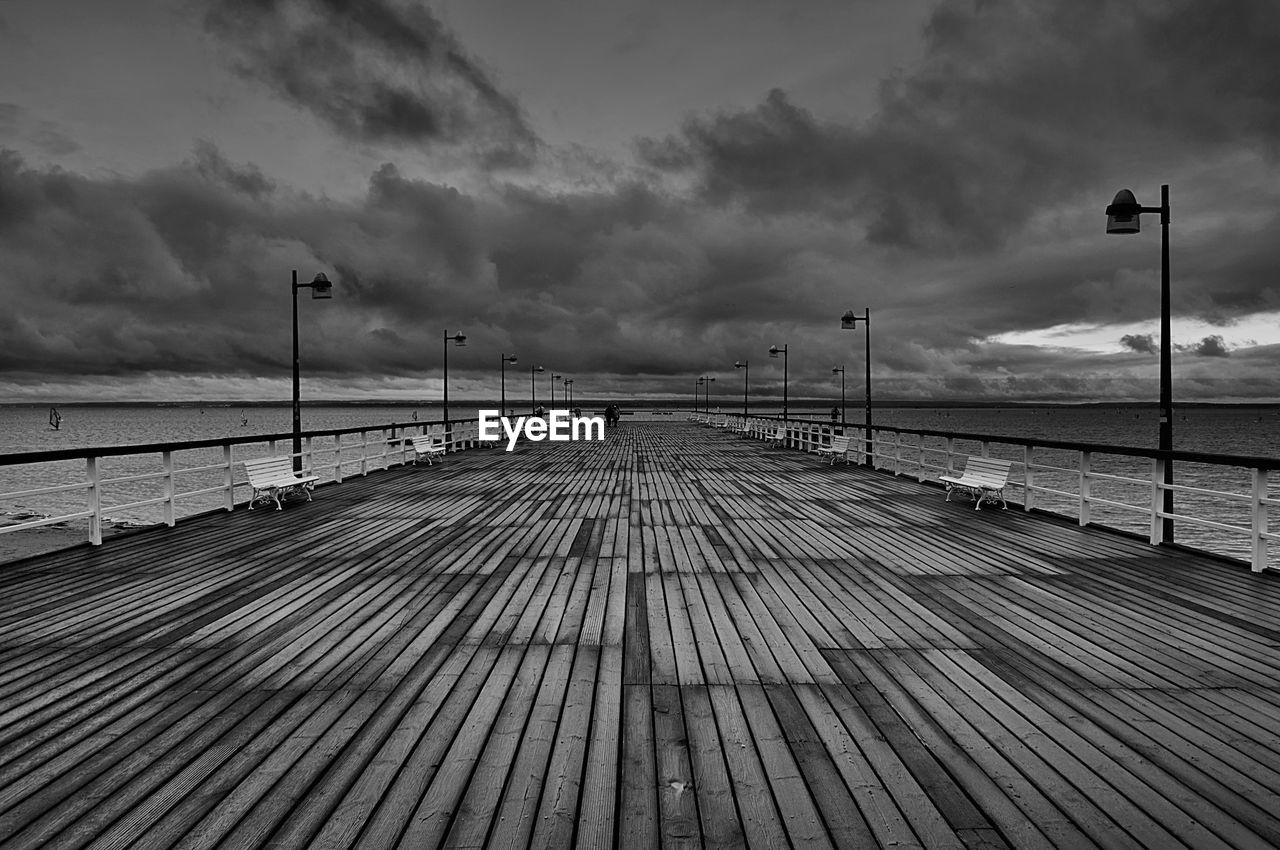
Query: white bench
{"points": [[273, 477], [983, 479], [429, 446], [839, 448]]}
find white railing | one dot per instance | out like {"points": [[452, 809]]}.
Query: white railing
{"points": [[1112, 486], [181, 479]]}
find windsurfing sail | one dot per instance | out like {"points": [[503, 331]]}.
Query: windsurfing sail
{"points": [[55, 418]]}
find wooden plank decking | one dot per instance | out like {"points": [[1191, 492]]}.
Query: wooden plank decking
{"points": [[677, 637]]}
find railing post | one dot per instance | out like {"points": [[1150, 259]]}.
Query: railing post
{"points": [[1086, 483], [169, 488], [364, 452], [1259, 526], [228, 479], [897, 453], [337, 458], [309, 463], [94, 497], [1028, 478], [1157, 475], [950, 447]]}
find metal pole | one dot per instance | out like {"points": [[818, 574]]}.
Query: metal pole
{"points": [[871, 460], [503, 403], [533, 390], [297, 395], [784, 381], [446, 376], [1166, 363], [746, 385]]}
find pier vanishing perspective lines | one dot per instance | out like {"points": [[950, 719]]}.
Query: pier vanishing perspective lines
{"points": [[675, 637]]}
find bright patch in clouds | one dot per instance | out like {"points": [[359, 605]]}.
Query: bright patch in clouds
{"points": [[1246, 332]]}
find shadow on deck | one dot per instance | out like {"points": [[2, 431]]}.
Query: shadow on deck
{"points": [[674, 637]]}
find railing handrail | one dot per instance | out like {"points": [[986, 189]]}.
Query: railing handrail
{"points": [[211, 442], [1181, 455]]}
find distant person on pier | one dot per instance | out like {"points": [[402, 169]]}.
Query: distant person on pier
{"points": [[835, 414]]}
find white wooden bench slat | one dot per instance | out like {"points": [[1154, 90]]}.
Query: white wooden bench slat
{"points": [[839, 448], [429, 446], [983, 479], [273, 477]]}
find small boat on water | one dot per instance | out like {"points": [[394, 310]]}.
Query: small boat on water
{"points": [[55, 418]]}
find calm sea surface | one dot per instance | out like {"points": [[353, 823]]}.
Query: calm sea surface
{"points": [[1238, 431]]}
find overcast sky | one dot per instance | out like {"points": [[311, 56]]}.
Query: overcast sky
{"points": [[635, 194]]}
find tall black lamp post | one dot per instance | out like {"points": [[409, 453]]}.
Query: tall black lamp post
{"points": [[506, 358], [707, 392], [459, 340], [849, 322], [843, 415], [568, 393], [533, 389], [321, 289], [773, 352], [1122, 217], [554, 378], [746, 382]]}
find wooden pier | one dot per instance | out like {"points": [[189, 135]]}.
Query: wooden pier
{"points": [[677, 637]]}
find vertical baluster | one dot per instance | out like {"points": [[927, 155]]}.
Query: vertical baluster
{"points": [[1086, 482], [170, 489], [364, 452], [950, 447], [897, 452], [1259, 520], [94, 498], [309, 464], [228, 478], [1157, 475], [337, 458], [1028, 478]]}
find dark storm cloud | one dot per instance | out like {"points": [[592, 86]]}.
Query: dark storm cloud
{"points": [[1015, 103], [1210, 346], [186, 268], [1141, 343], [375, 70]]}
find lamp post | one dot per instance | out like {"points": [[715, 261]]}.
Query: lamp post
{"points": [[850, 322], [1122, 217], [321, 289], [773, 352], [505, 360], [696, 384], [709, 381], [459, 340], [746, 382], [843, 414], [533, 389], [568, 393]]}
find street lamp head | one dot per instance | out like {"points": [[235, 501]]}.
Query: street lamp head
{"points": [[740, 364], [849, 320], [539, 369], [508, 359], [458, 339], [1122, 213], [321, 287], [836, 369], [774, 351], [556, 377]]}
